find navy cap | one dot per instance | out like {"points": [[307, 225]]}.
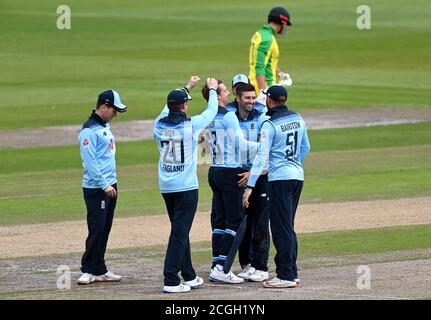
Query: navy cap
{"points": [[112, 98], [276, 92], [178, 96]]}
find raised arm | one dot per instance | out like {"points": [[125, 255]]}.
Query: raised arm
{"points": [[165, 112], [204, 119]]}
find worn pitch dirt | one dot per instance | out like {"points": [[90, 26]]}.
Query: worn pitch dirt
{"points": [[393, 275], [142, 129], [33, 253]]}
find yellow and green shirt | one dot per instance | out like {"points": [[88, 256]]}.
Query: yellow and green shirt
{"points": [[264, 55]]}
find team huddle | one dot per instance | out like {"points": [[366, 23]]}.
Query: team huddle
{"points": [[257, 148], [249, 146]]}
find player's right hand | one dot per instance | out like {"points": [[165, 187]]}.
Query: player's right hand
{"points": [[246, 196], [110, 192]]}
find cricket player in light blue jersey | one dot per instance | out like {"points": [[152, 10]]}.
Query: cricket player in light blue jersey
{"points": [[99, 185], [284, 144], [227, 144], [254, 247], [177, 139], [237, 81]]}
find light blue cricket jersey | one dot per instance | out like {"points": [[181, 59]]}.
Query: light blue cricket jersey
{"points": [[227, 140], [251, 127], [177, 140], [284, 142], [97, 148]]}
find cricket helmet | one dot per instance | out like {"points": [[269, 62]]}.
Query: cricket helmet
{"points": [[280, 16]]}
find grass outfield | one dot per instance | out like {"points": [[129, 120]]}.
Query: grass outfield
{"points": [[146, 48], [344, 243], [43, 184]]}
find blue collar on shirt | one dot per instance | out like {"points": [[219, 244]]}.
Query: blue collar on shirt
{"points": [[278, 112], [175, 117], [222, 110], [233, 104], [95, 117], [178, 114], [253, 113]]}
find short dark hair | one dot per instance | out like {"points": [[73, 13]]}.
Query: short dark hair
{"points": [[245, 87], [206, 90], [101, 103], [175, 107]]}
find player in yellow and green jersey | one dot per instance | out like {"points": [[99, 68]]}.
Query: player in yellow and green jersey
{"points": [[264, 53]]}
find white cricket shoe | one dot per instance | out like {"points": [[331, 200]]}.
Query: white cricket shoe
{"points": [[259, 276], [108, 277], [195, 283], [86, 278], [297, 281], [278, 283], [246, 272], [177, 289], [218, 275]]}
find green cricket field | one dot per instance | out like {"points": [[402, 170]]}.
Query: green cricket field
{"points": [[367, 192]]}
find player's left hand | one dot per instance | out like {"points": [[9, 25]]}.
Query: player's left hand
{"points": [[246, 196], [244, 178]]}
